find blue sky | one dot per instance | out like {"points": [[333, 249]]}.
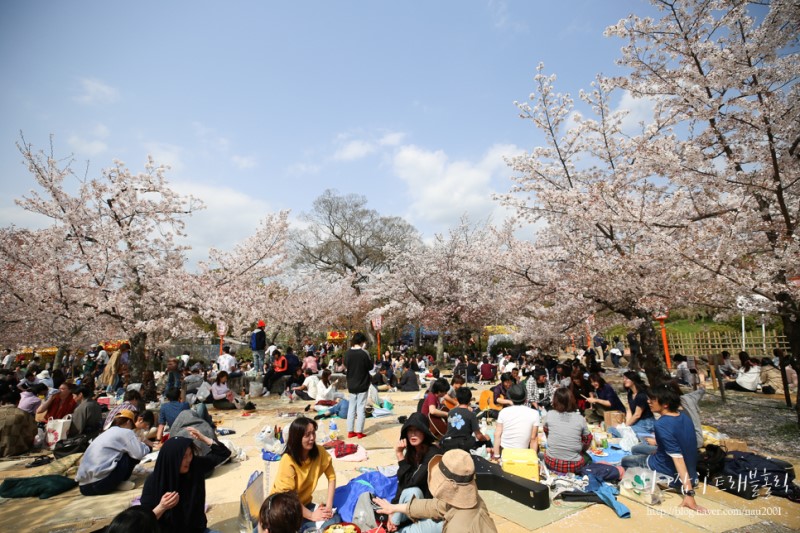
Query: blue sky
{"points": [[261, 106]]}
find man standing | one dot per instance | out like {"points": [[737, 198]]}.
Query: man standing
{"points": [[101, 357], [258, 343], [358, 364], [8, 360], [226, 361]]}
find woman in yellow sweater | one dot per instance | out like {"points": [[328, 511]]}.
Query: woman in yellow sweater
{"points": [[300, 468]]}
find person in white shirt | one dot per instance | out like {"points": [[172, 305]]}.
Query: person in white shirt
{"points": [[8, 359], [109, 460], [226, 362], [517, 425], [308, 390]]}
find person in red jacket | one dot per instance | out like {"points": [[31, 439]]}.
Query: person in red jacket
{"points": [[279, 368], [60, 404]]}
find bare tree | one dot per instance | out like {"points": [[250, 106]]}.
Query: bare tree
{"points": [[350, 240]]}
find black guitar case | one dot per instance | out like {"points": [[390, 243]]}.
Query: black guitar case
{"points": [[490, 476]]}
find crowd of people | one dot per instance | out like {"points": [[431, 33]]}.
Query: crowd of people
{"points": [[436, 476]]}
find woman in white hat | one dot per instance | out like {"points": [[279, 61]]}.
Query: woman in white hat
{"points": [[451, 480]]}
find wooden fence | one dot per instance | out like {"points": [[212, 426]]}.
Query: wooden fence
{"points": [[713, 342]]}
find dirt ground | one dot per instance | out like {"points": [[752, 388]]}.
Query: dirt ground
{"points": [[759, 421]]}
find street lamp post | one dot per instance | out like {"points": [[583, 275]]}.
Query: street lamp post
{"points": [[222, 329], [661, 319]]}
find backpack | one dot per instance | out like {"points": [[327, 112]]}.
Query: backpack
{"points": [[253, 341], [710, 461], [750, 475]]}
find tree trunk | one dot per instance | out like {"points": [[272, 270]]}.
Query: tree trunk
{"points": [[440, 348], [59, 357], [297, 329], [792, 331], [136, 360], [652, 356]]}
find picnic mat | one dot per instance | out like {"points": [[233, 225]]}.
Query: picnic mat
{"points": [[614, 456], [525, 516]]}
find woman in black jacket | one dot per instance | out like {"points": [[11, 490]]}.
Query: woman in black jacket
{"points": [[414, 451], [176, 490]]}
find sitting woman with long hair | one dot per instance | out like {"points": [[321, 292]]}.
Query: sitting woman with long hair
{"points": [[638, 414], [414, 451], [604, 398], [749, 377], [300, 468], [176, 490], [221, 394]]}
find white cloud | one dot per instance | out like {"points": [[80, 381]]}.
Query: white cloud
{"points": [[353, 150], [165, 154], [498, 10], [229, 217], [21, 218], [244, 162], [442, 190], [392, 138], [92, 144], [639, 110], [86, 147], [101, 131], [94, 91]]}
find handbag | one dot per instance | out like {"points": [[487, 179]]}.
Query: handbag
{"points": [[56, 430], [71, 445]]}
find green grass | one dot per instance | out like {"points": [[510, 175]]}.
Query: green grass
{"points": [[687, 326]]}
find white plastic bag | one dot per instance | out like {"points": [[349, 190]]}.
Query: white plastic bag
{"points": [[256, 389], [203, 392], [629, 438], [641, 484], [238, 454]]}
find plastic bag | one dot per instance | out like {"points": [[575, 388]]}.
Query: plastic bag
{"points": [[256, 389], [203, 392], [641, 484], [286, 397], [346, 497], [238, 454], [629, 438]]}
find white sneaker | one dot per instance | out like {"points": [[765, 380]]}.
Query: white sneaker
{"points": [[266, 393], [126, 485]]}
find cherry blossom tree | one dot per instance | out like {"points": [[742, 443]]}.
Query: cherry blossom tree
{"points": [[583, 188], [724, 76], [236, 285], [40, 298], [448, 284], [120, 252]]}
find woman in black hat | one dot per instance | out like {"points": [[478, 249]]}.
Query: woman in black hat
{"points": [[414, 451]]}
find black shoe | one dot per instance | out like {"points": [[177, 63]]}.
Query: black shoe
{"points": [[318, 417], [308, 408], [40, 461], [402, 419]]}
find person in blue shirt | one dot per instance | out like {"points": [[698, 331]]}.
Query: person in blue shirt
{"points": [[604, 398], [676, 444]]}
